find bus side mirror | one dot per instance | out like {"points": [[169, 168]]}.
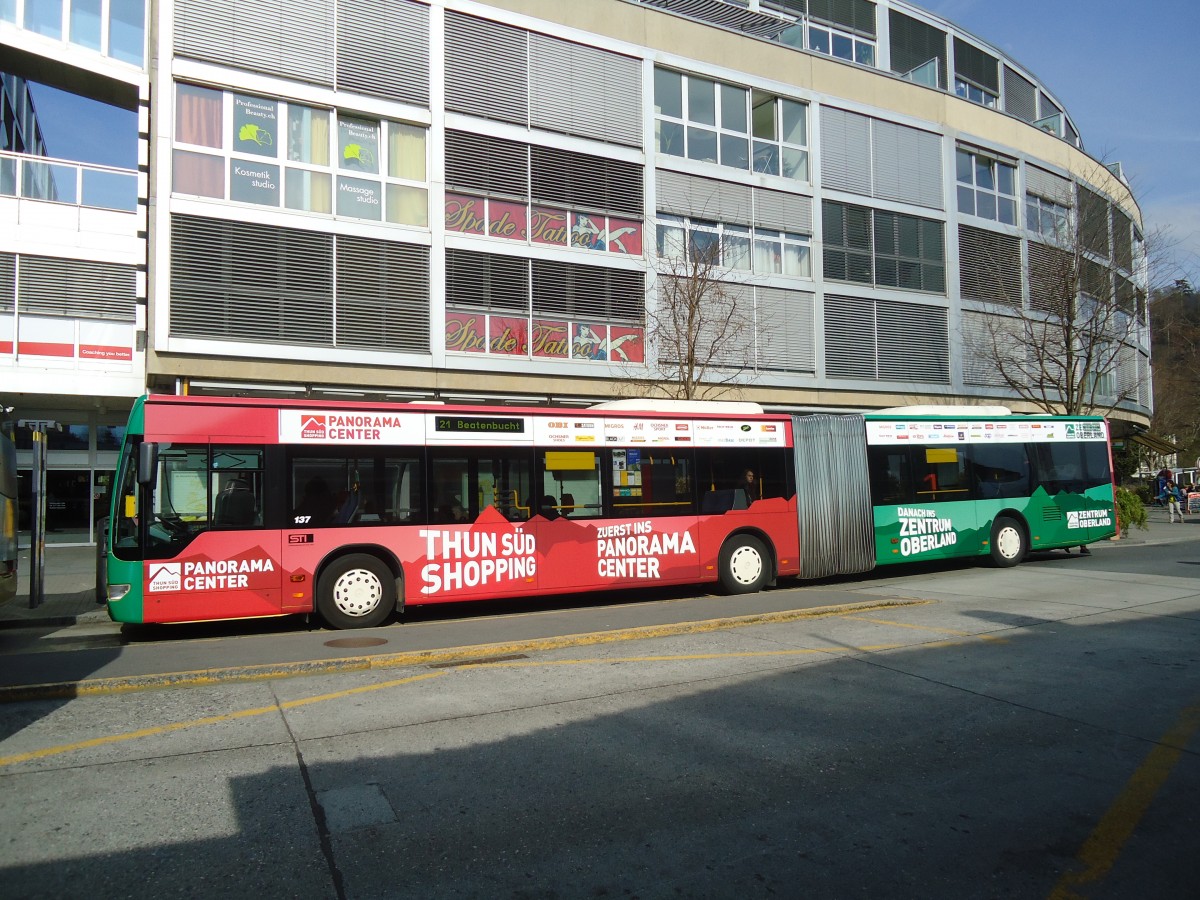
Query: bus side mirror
{"points": [[147, 471]]}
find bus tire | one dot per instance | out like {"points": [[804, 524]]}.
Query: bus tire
{"points": [[745, 565], [1008, 542], [356, 591]]}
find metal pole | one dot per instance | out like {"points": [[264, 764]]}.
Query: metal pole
{"points": [[37, 523]]}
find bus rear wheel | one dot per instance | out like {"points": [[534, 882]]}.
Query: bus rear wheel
{"points": [[1008, 542], [356, 591], [745, 565]]}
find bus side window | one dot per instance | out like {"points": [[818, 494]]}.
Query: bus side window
{"points": [[1000, 471], [891, 475], [572, 479]]}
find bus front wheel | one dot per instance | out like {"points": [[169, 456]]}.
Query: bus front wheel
{"points": [[356, 591], [745, 565], [1008, 542]]}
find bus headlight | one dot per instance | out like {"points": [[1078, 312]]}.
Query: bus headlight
{"points": [[117, 591]]}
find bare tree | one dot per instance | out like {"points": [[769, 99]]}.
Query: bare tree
{"points": [[1070, 345], [700, 331]]}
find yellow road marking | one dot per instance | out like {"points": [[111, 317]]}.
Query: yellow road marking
{"points": [[208, 720], [1100, 851], [982, 637]]}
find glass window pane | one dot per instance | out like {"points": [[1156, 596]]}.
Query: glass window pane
{"points": [[702, 144], [963, 166], [702, 101], [127, 30], [985, 205], [764, 116], [254, 182], [766, 158], [795, 163], [1005, 178], [358, 146], [197, 115], [795, 128], [199, 174], [8, 11], [818, 39], [843, 46], [737, 250], [1008, 211], [733, 108], [768, 256], [796, 260], [704, 247], [910, 241], [309, 191], [670, 137], [668, 93], [85, 23], [44, 17], [308, 134], [983, 175], [670, 242], [359, 198], [8, 177], [407, 205], [45, 181], [406, 151], [110, 190], [1032, 218], [864, 53], [735, 151], [966, 200], [255, 126]]}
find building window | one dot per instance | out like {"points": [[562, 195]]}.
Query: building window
{"points": [[885, 249], [709, 121], [986, 187], [841, 44], [763, 251], [360, 168], [975, 94], [1050, 220]]}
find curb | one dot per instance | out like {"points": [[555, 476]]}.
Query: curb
{"points": [[476, 654]]}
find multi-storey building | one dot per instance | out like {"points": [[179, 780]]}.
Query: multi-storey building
{"points": [[481, 199]]}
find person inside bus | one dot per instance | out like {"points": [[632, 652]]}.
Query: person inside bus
{"points": [[749, 486], [567, 506], [450, 511], [235, 505], [316, 506], [548, 509]]}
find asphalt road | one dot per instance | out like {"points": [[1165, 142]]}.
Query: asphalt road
{"points": [[953, 732]]}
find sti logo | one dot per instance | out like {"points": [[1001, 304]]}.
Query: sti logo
{"points": [[165, 577], [313, 427]]}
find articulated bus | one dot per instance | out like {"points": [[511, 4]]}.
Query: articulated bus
{"points": [[230, 508]]}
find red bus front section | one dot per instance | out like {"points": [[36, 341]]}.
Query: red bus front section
{"points": [[254, 572]]}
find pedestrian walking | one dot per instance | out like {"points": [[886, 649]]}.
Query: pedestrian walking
{"points": [[1171, 498]]}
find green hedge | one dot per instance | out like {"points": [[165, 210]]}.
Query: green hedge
{"points": [[1131, 509]]}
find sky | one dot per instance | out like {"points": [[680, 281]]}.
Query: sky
{"points": [[1128, 74], [1129, 77]]}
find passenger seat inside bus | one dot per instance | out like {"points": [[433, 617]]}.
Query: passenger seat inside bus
{"points": [[235, 506]]}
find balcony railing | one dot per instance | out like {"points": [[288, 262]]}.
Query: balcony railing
{"points": [[71, 183]]}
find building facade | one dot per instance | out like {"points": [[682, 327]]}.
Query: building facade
{"points": [[490, 201]]}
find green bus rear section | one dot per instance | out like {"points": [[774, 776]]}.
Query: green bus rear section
{"points": [[916, 532]]}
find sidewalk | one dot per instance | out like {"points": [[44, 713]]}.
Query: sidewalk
{"points": [[71, 599], [70, 591]]}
